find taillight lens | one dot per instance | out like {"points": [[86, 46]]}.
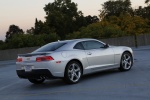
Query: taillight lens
{"points": [[45, 58], [19, 59]]}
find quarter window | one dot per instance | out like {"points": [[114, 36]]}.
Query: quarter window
{"points": [[79, 46]]}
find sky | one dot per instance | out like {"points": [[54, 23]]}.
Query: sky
{"points": [[23, 12]]}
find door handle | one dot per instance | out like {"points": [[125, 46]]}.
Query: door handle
{"points": [[89, 53]]}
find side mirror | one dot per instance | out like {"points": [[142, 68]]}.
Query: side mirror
{"points": [[106, 46]]}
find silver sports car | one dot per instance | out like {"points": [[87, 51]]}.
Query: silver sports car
{"points": [[70, 59]]}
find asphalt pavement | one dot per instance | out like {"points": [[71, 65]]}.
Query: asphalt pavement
{"points": [[108, 85]]}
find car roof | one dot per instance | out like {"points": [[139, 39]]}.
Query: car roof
{"points": [[76, 40], [71, 43]]}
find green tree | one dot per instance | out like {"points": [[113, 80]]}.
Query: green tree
{"points": [[13, 30], [147, 2], [143, 12], [30, 40], [40, 28], [2, 45], [91, 19], [130, 24], [39, 25], [30, 31], [62, 16], [114, 26], [1, 42], [99, 30], [115, 8]]}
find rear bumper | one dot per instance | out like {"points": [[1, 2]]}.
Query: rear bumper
{"points": [[36, 73]]}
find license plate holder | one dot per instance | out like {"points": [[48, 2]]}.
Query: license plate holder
{"points": [[28, 68]]}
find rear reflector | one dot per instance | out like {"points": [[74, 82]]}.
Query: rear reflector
{"points": [[45, 58], [19, 59]]}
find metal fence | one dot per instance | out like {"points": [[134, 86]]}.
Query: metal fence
{"points": [[121, 41], [11, 54]]}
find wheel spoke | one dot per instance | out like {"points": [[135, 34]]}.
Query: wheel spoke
{"points": [[77, 70], [129, 63], [123, 62], [69, 71], [73, 66], [72, 77], [77, 76], [124, 57], [128, 58], [125, 65]]}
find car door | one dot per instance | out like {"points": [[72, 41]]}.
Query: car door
{"points": [[98, 56]]}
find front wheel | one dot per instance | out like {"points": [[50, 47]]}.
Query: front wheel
{"points": [[126, 62], [73, 72], [36, 81]]}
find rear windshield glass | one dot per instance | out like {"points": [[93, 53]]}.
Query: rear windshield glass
{"points": [[50, 47]]}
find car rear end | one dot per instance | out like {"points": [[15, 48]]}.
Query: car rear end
{"points": [[37, 66], [42, 63]]}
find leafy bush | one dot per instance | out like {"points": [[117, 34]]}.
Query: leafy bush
{"points": [[29, 40]]}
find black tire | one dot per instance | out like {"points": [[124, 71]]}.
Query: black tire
{"points": [[73, 72], [36, 81], [126, 62]]}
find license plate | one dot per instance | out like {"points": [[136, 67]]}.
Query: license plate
{"points": [[28, 68]]}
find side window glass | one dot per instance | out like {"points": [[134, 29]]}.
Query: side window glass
{"points": [[85, 45], [79, 46], [92, 45]]}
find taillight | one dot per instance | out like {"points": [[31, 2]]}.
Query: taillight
{"points": [[45, 58], [19, 59]]}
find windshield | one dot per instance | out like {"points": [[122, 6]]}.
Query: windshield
{"points": [[50, 47]]}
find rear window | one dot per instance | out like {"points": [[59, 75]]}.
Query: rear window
{"points": [[50, 47]]}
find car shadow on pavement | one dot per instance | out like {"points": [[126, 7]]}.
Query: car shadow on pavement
{"points": [[48, 84], [60, 83], [99, 74]]}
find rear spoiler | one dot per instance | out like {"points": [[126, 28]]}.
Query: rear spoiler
{"points": [[33, 54]]}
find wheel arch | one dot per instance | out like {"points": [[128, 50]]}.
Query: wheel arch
{"points": [[77, 60], [128, 52]]}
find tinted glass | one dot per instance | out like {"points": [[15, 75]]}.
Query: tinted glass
{"points": [[92, 45], [50, 47], [79, 46]]}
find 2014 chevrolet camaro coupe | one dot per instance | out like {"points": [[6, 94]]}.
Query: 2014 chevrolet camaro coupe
{"points": [[71, 59]]}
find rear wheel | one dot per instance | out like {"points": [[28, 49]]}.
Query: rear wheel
{"points": [[126, 62], [36, 81], [73, 72]]}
